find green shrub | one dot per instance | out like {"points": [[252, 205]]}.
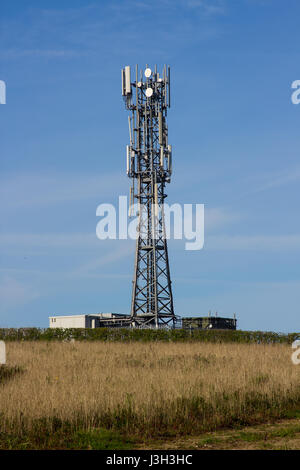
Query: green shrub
{"points": [[145, 335]]}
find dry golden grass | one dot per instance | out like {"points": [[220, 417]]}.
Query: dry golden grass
{"points": [[146, 387]]}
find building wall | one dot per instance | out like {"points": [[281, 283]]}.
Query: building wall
{"points": [[72, 321]]}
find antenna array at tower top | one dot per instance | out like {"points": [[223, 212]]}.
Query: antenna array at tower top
{"points": [[154, 86], [148, 98]]}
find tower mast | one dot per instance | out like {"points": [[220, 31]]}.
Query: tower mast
{"points": [[149, 165]]}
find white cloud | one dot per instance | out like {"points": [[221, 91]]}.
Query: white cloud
{"points": [[14, 293], [87, 30], [218, 217], [33, 245], [40, 189], [278, 179], [253, 243], [47, 53], [209, 8], [113, 256], [49, 240]]}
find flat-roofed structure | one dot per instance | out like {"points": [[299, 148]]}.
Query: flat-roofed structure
{"points": [[120, 320], [94, 320], [209, 323]]}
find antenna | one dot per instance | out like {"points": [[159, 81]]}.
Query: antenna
{"points": [[149, 163]]}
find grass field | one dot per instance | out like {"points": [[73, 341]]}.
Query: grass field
{"points": [[127, 395]]}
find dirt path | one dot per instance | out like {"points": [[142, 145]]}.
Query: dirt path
{"points": [[284, 435]]}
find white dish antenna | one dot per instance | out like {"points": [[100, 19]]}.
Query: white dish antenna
{"points": [[149, 92], [148, 73]]}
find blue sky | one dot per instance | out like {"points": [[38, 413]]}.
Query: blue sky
{"points": [[235, 136]]}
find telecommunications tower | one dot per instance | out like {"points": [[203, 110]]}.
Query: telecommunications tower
{"points": [[149, 165]]}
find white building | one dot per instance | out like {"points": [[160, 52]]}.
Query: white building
{"points": [[83, 320]]}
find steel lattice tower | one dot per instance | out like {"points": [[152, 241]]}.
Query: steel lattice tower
{"points": [[149, 166]]}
